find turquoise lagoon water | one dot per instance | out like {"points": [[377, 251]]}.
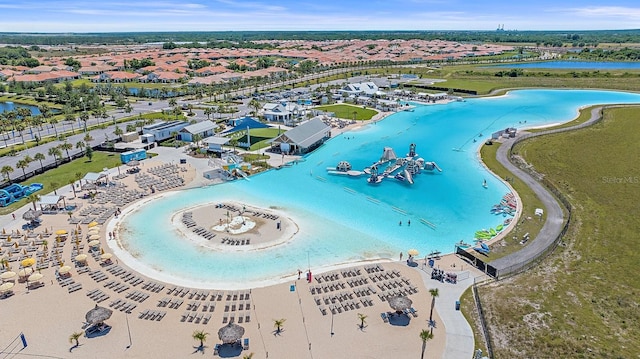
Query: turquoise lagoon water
{"points": [[344, 219]]}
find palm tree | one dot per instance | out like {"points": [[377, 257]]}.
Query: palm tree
{"points": [[80, 145], [362, 319], [5, 170], [278, 323], [22, 164], [66, 146], [39, 157], [56, 153], [55, 186], [434, 293], [201, 336], [208, 111], [173, 102], [425, 335], [73, 187], [118, 131], [33, 198], [74, 338], [255, 105]]}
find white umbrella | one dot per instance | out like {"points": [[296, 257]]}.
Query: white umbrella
{"points": [[81, 257], [25, 272], [94, 237], [5, 287], [106, 256], [35, 277], [7, 275], [94, 243], [64, 269]]}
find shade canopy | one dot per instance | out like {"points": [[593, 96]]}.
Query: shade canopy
{"points": [[413, 252], [230, 333], [81, 257], [5, 287], [30, 215], [25, 272], [94, 243], [7, 275], [28, 262], [400, 303], [35, 277], [106, 256], [133, 163], [64, 269], [98, 315]]}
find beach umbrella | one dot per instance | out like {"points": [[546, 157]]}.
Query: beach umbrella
{"points": [[30, 215], [35, 277], [94, 243], [64, 269], [400, 303], [5, 287], [98, 315], [7, 275], [93, 230], [61, 232], [413, 252], [94, 237], [93, 224], [28, 262], [81, 257], [25, 272], [133, 163], [88, 186], [106, 256], [230, 333]]}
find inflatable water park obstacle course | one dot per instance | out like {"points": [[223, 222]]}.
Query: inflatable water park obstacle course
{"points": [[389, 166], [14, 192]]}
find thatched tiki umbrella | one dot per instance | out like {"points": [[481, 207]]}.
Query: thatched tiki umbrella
{"points": [[230, 333], [399, 304], [133, 163], [98, 315], [30, 215]]}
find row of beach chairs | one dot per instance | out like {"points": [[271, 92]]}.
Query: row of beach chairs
{"points": [[149, 314], [192, 317], [235, 242], [231, 317], [153, 287], [97, 295], [123, 305], [203, 232], [137, 296], [116, 286]]}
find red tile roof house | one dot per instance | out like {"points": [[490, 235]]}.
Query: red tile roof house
{"points": [[165, 77], [95, 70], [53, 76], [116, 77]]}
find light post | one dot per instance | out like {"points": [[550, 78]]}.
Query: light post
{"points": [[332, 310]]}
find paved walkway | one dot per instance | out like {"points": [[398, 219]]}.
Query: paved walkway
{"points": [[460, 342], [554, 213]]}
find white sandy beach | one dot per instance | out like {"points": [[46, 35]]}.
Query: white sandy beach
{"points": [[49, 314]]}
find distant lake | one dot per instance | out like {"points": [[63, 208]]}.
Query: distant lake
{"points": [[10, 106], [576, 65]]}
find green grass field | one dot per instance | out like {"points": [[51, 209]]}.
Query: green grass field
{"points": [[60, 176], [347, 111], [582, 301]]}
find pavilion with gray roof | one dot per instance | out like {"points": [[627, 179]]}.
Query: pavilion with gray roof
{"points": [[303, 138]]}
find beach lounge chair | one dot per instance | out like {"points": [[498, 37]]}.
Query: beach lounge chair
{"points": [[216, 349], [245, 344], [384, 317]]}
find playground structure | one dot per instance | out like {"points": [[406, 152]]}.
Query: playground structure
{"points": [[14, 192], [231, 167]]}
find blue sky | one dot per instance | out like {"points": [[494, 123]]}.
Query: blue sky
{"points": [[213, 15]]}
